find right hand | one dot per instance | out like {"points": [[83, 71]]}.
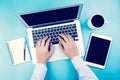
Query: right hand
{"points": [[68, 46]]}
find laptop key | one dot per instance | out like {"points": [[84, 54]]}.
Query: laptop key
{"points": [[55, 42], [54, 32]]}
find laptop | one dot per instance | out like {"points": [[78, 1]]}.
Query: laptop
{"points": [[51, 23]]}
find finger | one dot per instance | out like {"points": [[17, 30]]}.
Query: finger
{"points": [[43, 41], [70, 38], [61, 47], [61, 40], [51, 49], [64, 37], [39, 43], [47, 43]]}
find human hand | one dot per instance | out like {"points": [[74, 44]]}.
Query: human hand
{"points": [[42, 50], [68, 46]]}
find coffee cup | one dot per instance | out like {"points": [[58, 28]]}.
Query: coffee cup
{"points": [[97, 21]]}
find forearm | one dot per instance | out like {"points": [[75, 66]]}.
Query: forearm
{"points": [[39, 72], [84, 72]]}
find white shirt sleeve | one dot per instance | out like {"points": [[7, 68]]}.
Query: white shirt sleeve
{"points": [[39, 72], [83, 70]]}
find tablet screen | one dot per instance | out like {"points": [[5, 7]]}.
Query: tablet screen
{"points": [[98, 50]]}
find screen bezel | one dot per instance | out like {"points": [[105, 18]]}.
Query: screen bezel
{"points": [[78, 14], [95, 64]]}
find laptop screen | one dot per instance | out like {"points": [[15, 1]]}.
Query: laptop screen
{"points": [[43, 17]]}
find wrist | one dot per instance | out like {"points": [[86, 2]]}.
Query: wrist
{"points": [[73, 56], [41, 62]]}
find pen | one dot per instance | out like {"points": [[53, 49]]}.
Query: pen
{"points": [[24, 51]]}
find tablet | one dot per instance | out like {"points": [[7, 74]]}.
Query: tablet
{"points": [[97, 52]]}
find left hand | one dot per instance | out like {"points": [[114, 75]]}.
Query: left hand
{"points": [[42, 52]]}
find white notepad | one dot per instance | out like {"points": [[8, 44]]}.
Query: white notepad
{"points": [[16, 48]]}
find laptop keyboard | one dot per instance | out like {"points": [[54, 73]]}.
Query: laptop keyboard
{"points": [[53, 33]]}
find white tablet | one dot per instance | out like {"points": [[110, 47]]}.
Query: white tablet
{"points": [[97, 52]]}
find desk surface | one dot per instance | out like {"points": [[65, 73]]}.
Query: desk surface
{"points": [[11, 28]]}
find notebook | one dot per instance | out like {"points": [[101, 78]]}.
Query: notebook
{"points": [[18, 51]]}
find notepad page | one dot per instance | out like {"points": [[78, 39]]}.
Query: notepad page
{"points": [[17, 50]]}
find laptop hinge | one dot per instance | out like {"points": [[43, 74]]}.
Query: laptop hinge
{"points": [[53, 23]]}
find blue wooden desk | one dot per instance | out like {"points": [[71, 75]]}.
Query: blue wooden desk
{"points": [[11, 28]]}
